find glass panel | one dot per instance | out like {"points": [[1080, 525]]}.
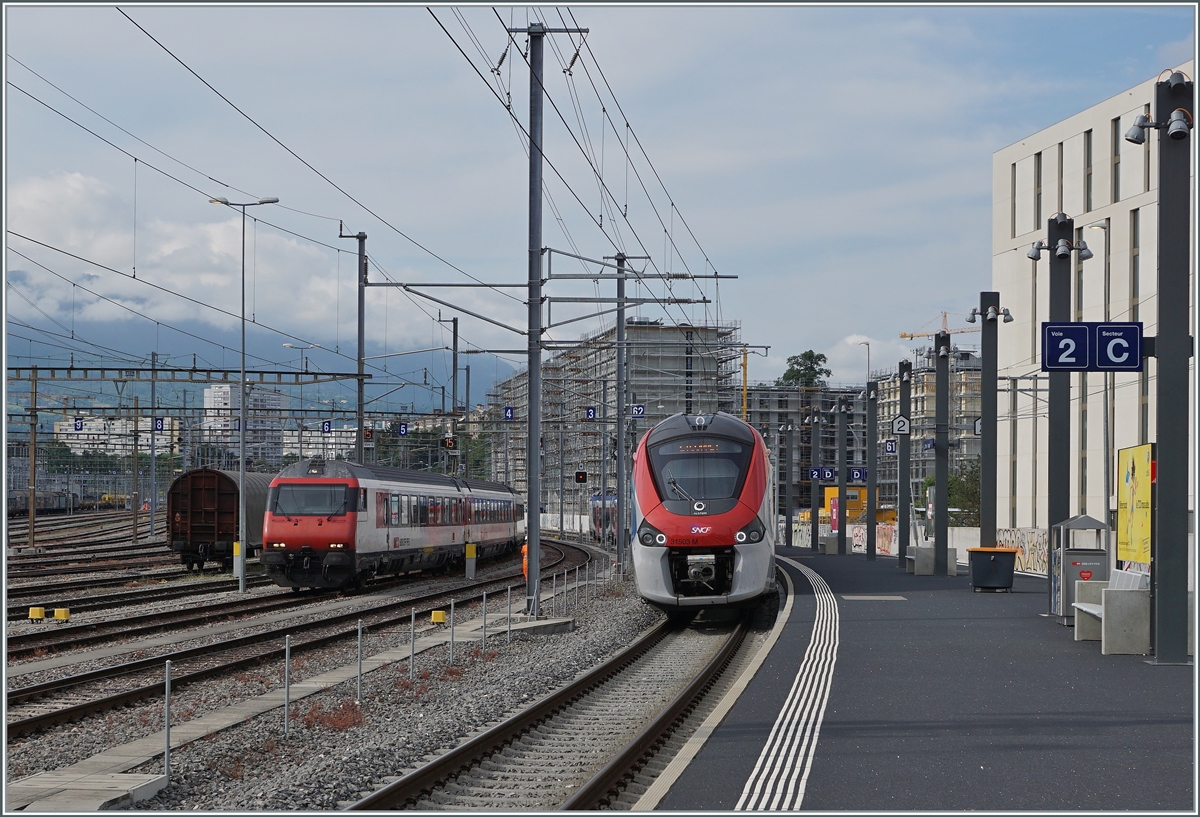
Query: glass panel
{"points": [[696, 468], [312, 500]]}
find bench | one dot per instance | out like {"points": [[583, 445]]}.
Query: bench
{"points": [[1117, 614], [919, 561]]}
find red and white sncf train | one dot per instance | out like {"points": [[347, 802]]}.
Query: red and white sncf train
{"points": [[335, 524], [704, 513]]}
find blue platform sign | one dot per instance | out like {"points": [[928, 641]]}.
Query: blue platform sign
{"points": [[1092, 346], [591, 412], [508, 412], [858, 474], [326, 426], [158, 423], [79, 424], [929, 443], [639, 409], [814, 473], [402, 429], [1119, 347], [889, 446], [1066, 347]]}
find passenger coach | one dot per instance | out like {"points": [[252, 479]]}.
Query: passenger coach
{"points": [[336, 524]]}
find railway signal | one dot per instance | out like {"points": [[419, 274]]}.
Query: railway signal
{"points": [[580, 477]]}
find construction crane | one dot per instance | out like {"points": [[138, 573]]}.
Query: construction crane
{"points": [[957, 331]]}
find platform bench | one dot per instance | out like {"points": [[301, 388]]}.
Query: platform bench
{"points": [[919, 560], [1116, 613]]}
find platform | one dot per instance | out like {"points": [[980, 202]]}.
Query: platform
{"points": [[916, 694]]}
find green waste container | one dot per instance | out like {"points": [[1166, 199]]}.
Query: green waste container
{"points": [[992, 568]]}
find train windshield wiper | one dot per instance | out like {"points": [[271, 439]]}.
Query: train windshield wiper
{"points": [[677, 487], [336, 510]]}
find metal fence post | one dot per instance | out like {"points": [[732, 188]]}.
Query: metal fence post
{"points": [[358, 692], [412, 642], [167, 725], [452, 631], [485, 620], [287, 691]]}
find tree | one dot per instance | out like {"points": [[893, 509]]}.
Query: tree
{"points": [[962, 492], [805, 369]]}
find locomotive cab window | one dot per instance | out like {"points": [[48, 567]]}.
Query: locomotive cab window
{"points": [[291, 499], [697, 468]]}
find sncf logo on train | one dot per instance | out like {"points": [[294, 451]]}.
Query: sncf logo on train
{"points": [[701, 529]]}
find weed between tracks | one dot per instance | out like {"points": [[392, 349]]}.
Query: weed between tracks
{"points": [[346, 715]]}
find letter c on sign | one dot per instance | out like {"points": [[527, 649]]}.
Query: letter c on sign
{"points": [[1112, 353]]}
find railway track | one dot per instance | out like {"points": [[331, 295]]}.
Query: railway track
{"points": [[37, 706], [577, 748]]}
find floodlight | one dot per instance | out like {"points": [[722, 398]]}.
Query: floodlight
{"points": [[1178, 124], [1062, 249], [1137, 133], [1035, 251]]}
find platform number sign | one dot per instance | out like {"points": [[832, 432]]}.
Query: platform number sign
{"points": [[79, 424], [402, 429], [158, 423], [590, 412], [326, 426], [901, 425], [889, 446], [639, 409], [858, 474], [820, 474], [978, 426], [1091, 346], [509, 413], [929, 444]]}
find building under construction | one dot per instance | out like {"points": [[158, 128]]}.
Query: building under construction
{"points": [[669, 368]]}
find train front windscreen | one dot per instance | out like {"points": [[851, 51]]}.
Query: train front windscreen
{"points": [[294, 499], [696, 468]]}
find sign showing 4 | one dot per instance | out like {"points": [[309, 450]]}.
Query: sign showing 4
{"points": [[508, 413]]}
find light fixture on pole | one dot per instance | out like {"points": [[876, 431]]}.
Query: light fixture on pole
{"points": [[867, 343], [239, 561]]}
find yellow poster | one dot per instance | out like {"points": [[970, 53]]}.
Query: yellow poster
{"points": [[1134, 506]]}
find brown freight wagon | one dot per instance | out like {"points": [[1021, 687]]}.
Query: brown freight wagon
{"points": [[202, 515]]}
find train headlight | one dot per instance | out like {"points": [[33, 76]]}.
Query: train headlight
{"points": [[751, 533], [649, 536], [337, 545]]}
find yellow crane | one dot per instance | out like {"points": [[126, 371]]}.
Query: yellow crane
{"points": [[956, 331]]}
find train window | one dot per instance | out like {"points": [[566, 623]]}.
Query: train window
{"points": [[403, 510], [362, 499], [395, 514], [296, 499], [699, 468], [423, 510]]}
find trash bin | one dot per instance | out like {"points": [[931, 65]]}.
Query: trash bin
{"points": [[992, 568]]}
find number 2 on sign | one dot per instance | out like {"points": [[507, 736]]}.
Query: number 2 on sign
{"points": [[1066, 351]]}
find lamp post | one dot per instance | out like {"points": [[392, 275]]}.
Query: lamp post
{"points": [[239, 560], [1173, 350], [787, 429], [989, 308], [1108, 379]]}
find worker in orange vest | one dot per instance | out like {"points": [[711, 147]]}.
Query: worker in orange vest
{"points": [[525, 560]]}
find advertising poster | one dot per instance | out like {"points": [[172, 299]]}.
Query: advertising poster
{"points": [[1135, 475]]}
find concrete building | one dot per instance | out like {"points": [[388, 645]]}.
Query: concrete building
{"points": [[1083, 167], [264, 421]]}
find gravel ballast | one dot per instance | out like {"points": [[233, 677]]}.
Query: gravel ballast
{"points": [[337, 751]]}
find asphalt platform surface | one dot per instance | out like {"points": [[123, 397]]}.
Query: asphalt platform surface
{"points": [[956, 700]]}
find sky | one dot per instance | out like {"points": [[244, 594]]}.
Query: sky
{"points": [[835, 159]]}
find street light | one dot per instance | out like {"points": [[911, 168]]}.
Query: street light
{"points": [[240, 557], [867, 343]]}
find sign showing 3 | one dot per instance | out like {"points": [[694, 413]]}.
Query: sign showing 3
{"points": [[590, 412]]}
